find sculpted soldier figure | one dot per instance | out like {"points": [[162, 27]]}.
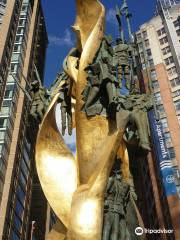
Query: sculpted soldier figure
{"points": [[41, 100], [101, 75], [42, 97], [138, 105], [65, 100], [121, 59], [116, 200]]}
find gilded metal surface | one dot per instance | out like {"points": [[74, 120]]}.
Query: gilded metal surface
{"points": [[75, 187], [56, 166]]}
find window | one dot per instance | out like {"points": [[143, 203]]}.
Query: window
{"points": [[149, 53], [16, 57], [147, 43], [161, 31], [24, 8], [17, 48], [20, 30], [140, 45], [144, 33], [19, 39], [153, 74], [19, 208], [163, 40], [3, 2], [169, 60], [160, 109], [142, 56], [176, 93], [22, 180], [14, 236], [158, 98], [17, 223], [178, 32], [138, 36], [22, 22], [178, 117], [175, 82], [172, 71], [151, 63], [2, 135], [14, 67], [7, 103], [166, 50], [5, 110], [164, 123], [8, 94], [1, 16], [3, 122], [171, 153], [167, 138], [21, 194], [177, 22], [177, 105], [155, 84], [178, 190]]}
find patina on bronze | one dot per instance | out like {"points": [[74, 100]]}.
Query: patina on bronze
{"points": [[88, 89]]}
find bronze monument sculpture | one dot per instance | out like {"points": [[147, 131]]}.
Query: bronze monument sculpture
{"points": [[92, 199]]}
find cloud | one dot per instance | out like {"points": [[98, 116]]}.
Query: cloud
{"points": [[66, 40], [111, 16]]}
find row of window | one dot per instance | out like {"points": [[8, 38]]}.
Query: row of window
{"points": [[144, 35], [8, 105], [146, 43]]}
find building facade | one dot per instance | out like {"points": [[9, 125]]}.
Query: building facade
{"points": [[159, 48], [22, 47]]}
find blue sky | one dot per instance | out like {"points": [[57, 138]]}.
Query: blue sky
{"points": [[60, 16]]}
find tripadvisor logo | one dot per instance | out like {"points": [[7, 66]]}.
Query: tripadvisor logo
{"points": [[139, 231]]}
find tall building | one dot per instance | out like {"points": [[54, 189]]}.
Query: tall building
{"points": [[159, 48], [23, 42]]}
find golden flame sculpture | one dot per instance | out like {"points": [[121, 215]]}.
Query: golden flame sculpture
{"points": [[75, 187]]}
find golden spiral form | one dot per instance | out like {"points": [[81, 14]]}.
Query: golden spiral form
{"points": [[75, 188]]}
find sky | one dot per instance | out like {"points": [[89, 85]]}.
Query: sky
{"points": [[60, 16]]}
